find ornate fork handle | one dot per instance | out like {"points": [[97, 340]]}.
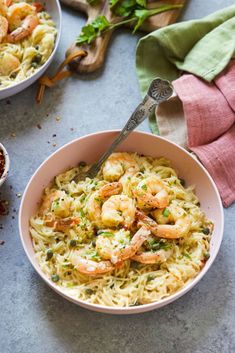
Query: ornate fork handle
{"points": [[159, 91]]}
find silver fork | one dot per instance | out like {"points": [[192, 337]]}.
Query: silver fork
{"points": [[158, 92]]}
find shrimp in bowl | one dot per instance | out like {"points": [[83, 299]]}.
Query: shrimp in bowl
{"points": [[27, 39], [133, 234]]}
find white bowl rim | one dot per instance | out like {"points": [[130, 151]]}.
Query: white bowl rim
{"points": [[134, 309], [7, 164], [6, 89]]}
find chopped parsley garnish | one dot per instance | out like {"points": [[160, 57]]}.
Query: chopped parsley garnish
{"points": [[107, 234], [82, 212], [155, 245], [144, 187], [186, 254]]}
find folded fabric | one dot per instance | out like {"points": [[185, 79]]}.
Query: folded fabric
{"points": [[209, 112], [187, 46], [218, 158], [201, 115], [206, 108]]}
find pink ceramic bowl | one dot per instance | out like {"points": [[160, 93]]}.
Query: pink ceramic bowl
{"points": [[89, 148]]}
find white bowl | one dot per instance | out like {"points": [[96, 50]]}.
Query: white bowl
{"points": [[7, 164], [89, 148], [54, 9]]}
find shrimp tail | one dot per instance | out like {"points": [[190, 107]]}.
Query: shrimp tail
{"points": [[25, 30]]}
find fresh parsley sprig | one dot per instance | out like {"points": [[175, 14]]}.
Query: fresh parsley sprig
{"points": [[130, 10]]}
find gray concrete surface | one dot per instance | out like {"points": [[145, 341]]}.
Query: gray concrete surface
{"points": [[34, 319]]}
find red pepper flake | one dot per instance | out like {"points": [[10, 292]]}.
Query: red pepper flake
{"points": [[3, 207], [39, 126], [2, 163]]}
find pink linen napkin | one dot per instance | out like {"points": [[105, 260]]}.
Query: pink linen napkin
{"points": [[209, 110]]}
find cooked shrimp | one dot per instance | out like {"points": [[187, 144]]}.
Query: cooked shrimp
{"points": [[90, 267], [38, 6], [57, 201], [118, 247], [119, 164], [61, 225], [151, 193], [22, 18], [18, 12], [118, 210], [8, 64], [3, 27], [95, 201], [150, 257], [179, 229], [24, 30], [3, 7]]}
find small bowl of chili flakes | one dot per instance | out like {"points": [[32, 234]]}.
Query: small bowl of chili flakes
{"points": [[4, 164]]}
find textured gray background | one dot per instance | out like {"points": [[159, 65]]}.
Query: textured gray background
{"points": [[34, 319]]}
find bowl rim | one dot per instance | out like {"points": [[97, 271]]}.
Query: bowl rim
{"points": [[135, 309], [44, 66], [7, 164]]}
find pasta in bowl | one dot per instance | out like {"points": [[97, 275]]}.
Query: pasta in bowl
{"points": [[130, 240], [130, 236], [29, 34]]}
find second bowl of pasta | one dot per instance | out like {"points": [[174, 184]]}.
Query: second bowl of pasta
{"points": [[29, 37]]}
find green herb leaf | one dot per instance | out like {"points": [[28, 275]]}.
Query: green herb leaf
{"points": [[95, 256], [88, 34], [155, 245], [142, 3], [186, 254], [144, 187], [92, 30], [125, 8], [143, 14], [166, 212], [101, 23], [106, 234], [113, 3]]}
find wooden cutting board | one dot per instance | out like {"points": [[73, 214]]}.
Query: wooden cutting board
{"points": [[97, 50]]}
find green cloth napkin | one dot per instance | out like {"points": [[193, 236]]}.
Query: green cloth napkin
{"points": [[187, 46]]}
